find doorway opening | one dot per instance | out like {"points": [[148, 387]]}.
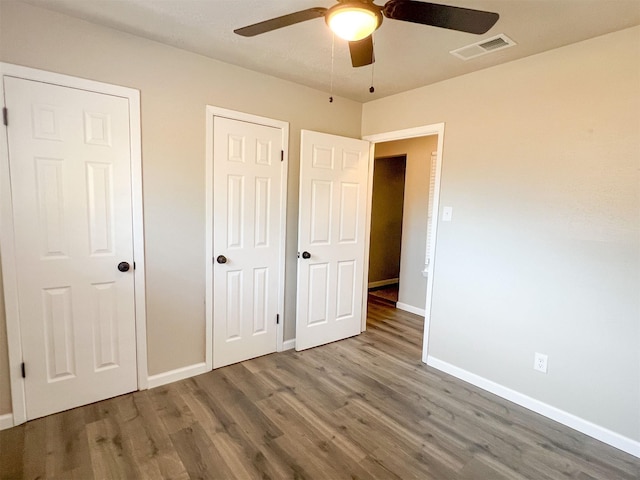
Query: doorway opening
{"points": [[419, 216], [385, 247], [401, 220]]}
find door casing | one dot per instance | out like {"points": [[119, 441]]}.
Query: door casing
{"points": [[7, 245], [422, 131], [211, 112]]}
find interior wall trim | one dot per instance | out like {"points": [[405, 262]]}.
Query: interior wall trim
{"points": [[598, 432], [410, 309], [383, 283], [6, 421], [177, 374]]}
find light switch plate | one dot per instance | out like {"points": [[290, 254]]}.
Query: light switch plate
{"points": [[447, 213]]}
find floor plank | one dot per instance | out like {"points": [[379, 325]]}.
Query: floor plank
{"points": [[362, 408]]}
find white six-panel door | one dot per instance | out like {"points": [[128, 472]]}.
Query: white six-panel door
{"points": [[331, 238], [69, 152], [247, 172]]}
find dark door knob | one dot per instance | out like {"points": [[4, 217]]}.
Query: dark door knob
{"points": [[306, 255], [123, 266], [221, 259]]}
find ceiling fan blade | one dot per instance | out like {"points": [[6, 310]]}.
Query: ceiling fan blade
{"points": [[362, 52], [279, 22], [444, 16]]}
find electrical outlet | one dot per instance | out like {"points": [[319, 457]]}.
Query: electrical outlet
{"points": [[540, 362]]}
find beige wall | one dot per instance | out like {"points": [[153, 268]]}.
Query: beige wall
{"points": [[541, 164], [386, 218], [175, 87], [413, 285]]}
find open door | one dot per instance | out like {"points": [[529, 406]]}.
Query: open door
{"points": [[331, 238]]}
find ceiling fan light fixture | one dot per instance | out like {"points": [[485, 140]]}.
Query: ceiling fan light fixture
{"points": [[353, 22]]}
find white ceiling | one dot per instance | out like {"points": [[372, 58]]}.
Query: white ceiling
{"points": [[407, 55]]}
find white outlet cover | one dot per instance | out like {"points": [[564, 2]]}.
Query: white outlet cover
{"points": [[540, 361]]}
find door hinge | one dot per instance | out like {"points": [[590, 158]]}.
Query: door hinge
{"points": [[281, 155], [5, 116], [277, 319], [23, 370]]}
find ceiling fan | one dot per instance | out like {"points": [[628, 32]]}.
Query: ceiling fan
{"points": [[356, 20]]}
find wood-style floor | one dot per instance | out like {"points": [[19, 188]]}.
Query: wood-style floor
{"points": [[361, 408], [388, 293]]}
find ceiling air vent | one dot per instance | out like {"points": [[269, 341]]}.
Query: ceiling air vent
{"points": [[483, 47]]}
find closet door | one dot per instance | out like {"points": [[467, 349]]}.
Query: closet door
{"points": [[247, 195], [70, 162]]}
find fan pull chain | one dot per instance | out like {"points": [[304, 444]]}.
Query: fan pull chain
{"points": [[373, 67], [371, 88], [333, 43]]}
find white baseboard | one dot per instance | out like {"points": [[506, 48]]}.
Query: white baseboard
{"points": [[177, 374], [599, 433], [6, 421], [383, 283], [410, 309], [289, 344]]}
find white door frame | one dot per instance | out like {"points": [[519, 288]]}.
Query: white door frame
{"points": [[7, 245], [211, 112], [423, 131]]}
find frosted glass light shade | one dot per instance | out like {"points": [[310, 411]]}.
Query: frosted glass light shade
{"points": [[353, 23]]}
